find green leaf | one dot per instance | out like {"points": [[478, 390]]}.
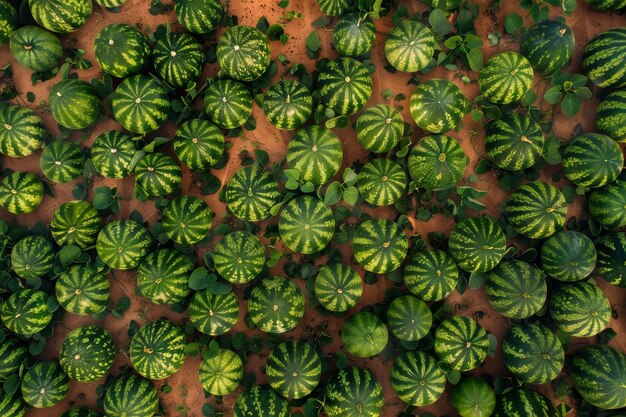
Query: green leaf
{"points": [[529, 98], [568, 6], [313, 42], [333, 193], [68, 254], [477, 115], [453, 41], [307, 187], [493, 345], [584, 93], [12, 383], [275, 31], [292, 174], [387, 93], [569, 193], [513, 22], [439, 22], [342, 360], [477, 280], [475, 59], [553, 94], [551, 152], [350, 195], [192, 349], [321, 22], [199, 279], [570, 105], [283, 4], [349, 177]]}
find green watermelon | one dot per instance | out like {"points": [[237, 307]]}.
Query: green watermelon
{"points": [[112, 153], [461, 342], [516, 289], [243, 53], [381, 182], [239, 257], [61, 16], [306, 224], [477, 244], [198, 16], [36, 49], [536, 210], [548, 45], [81, 412], [261, 402], [611, 115], [437, 162], [431, 274], [353, 392], [83, 290], [417, 379], [187, 220], [157, 350], [524, 403], [592, 160], [409, 318], [607, 205], [222, 373], [75, 223], [130, 396], [379, 246], [62, 161], [287, 104], [354, 34], [8, 21], [611, 264], [214, 314], [338, 287], [293, 369], [580, 309], [276, 305], [473, 397], [87, 353], [364, 335], [251, 193], [12, 355], [345, 85], [74, 104], [110, 4], [568, 256], [379, 128], [122, 244], [410, 46], [599, 374], [604, 59], [32, 257], [334, 7], [607, 4], [514, 142], [163, 276], [316, 152], [20, 192], [11, 405], [228, 103], [198, 144], [140, 104], [22, 131], [44, 385], [505, 77], [121, 50], [157, 174], [438, 106], [178, 58]]}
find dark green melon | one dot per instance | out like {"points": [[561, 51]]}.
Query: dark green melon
{"points": [[611, 264], [354, 34], [130, 396], [409, 318], [112, 154], [316, 152], [604, 59], [251, 193], [607, 205], [32, 257], [437, 162], [417, 379], [505, 77], [228, 103], [198, 16], [345, 85], [293, 369], [599, 375], [11, 405], [381, 182], [379, 128], [122, 244], [536, 210], [276, 305], [157, 350], [338, 287], [306, 224], [334, 7], [83, 290], [379, 246], [74, 104], [410, 46], [163, 276], [580, 309], [261, 402], [611, 115], [12, 355], [461, 342], [36, 49], [61, 16], [187, 220], [178, 58], [243, 53], [548, 45], [477, 244], [110, 4], [438, 106], [140, 104], [45, 385], [353, 392], [473, 397], [87, 353], [121, 50], [606, 5], [198, 143], [157, 174], [288, 104], [239, 257], [568, 256], [8, 21], [514, 142], [524, 403], [75, 223], [592, 160], [364, 335], [20, 192], [431, 274], [22, 131], [214, 314], [62, 161], [81, 412], [222, 373]]}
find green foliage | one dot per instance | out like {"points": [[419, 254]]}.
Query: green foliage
{"points": [[570, 90]]}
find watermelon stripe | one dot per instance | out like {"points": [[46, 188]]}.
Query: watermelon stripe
{"points": [[438, 106], [338, 287], [316, 153], [122, 244], [121, 50], [477, 244], [87, 353], [611, 115], [187, 220], [580, 309], [157, 350], [261, 401], [222, 373], [243, 53], [604, 58], [140, 104], [409, 318], [26, 312], [611, 265], [536, 210], [74, 104], [214, 314], [345, 85], [287, 104], [354, 34], [381, 182], [21, 192], [379, 246], [276, 305], [239, 257], [607, 205], [112, 153], [353, 391], [599, 374], [410, 46], [157, 174], [163, 275], [83, 290], [251, 193], [306, 225], [548, 45], [44, 385], [62, 161], [461, 342], [514, 142], [416, 378], [62, 16], [198, 16], [178, 58], [431, 275], [228, 103], [568, 256], [293, 369], [592, 160], [379, 128], [505, 77], [130, 395], [437, 162], [75, 223], [22, 131], [516, 289]]}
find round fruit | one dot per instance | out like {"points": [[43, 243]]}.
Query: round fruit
{"points": [[379, 128], [505, 77], [62, 161], [178, 58], [36, 48], [417, 379], [514, 142], [381, 182], [157, 174], [548, 45], [261, 402], [379, 246], [22, 131], [74, 104], [612, 5], [251, 193], [122, 244], [353, 392], [44, 385], [222, 373], [20, 192], [228, 103], [607, 205], [611, 264], [32, 257], [345, 85], [287, 104], [243, 53], [599, 373], [338, 287], [580, 309], [409, 318], [8, 21], [140, 104], [410, 46], [112, 154], [12, 356], [611, 115], [131, 396], [364, 335], [276, 305], [477, 244], [81, 412], [163, 276], [334, 7], [198, 144], [306, 224], [293, 369], [604, 59], [592, 160], [516, 289], [431, 274], [316, 153], [524, 402], [437, 162], [187, 220], [239, 257], [87, 353], [461, 342], [157, 350], [536, 210], [354, 34], [438, 106], [61, 16], [121, 50], [473, 397], [568, 256], [83, 290], [214, 314], [198, 16], [75, 223], [11, 405]]}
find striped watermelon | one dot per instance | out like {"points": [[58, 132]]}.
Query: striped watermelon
{"points": [[431, 274], [157, 174], [75, 223], [568, 256], [607, 4], [261, 402], [514, 142], [178, 58], [611, 115], [131, 396], [11, 405], [287, 104], [338, 287], [81, 412], [22, 131], [74, 104], [379, 128], [36, 49], [251, 193], [214, 314], [243, 53], [276, 305], [32, 257], [163, 275], [62, 161], [112, 153], [109, 4], [157, 350], [353, 392], [87, 353], [345, 85], [437, 162], [293, 369], [604, 59], [379, 246], [505, 77], [187, 220], [461, 343], [83, 290], [536, 210], [122, 244], [410, 46], [198, 16], [524, 403], [580, 309], [409, 318], [364, 335], [611, 265], [477, 244], [316, 152], [473, 397], [121, 50], [334, 7], [607, 205], [8, 21], [62, 16], [438, 106], [228, 103], [44, 385], [20, 192], [599, 374], [306, 224], [417, 379], [198, 144], [516, 289], [548, 45], [354, 34], [12, 355], [222, 373], [381, 182], [239, 257], [592, 160], [140, 104]]}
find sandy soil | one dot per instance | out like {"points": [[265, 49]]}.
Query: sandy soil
{"points": [[187, 398]]}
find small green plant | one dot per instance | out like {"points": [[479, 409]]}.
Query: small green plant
{"points": [[106, 198], [345, 189], [570, 90]]}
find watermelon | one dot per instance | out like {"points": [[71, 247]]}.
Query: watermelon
{"points": [[599, 374], [178, 58], [239, 257], [516, 289], [198, 144], [437, 162], [75, 223], [287, 104], [338, 287], [505, 77], [157, 174], [112, 154], [32, 257], [536, 210], [607, 4], [251, 193], [20, 192], [243, 53], [36, 49], [44, 385], [187, 220], [276, 305], [611, 115], [604, 59], [364, 335], [417, 379], [473, 397], [293, 369], [157, 350], [580, 309], [379, 246], [140, 104], [548, 45], [381, 182], [410, 46], [62, 161], [228, 103], [130, 396], [354, 34], [11, 405], [431, 274], [122, 244], [74, 104], [345, 85], [87, 353], [8, 21], [611, 264], [524, 403], [12, 355], [121, 50], [353, 392], [306, 224], [477, 244], [334, 7], [198, 16], [261, 402], [83, 290], [607, 205], [316, 152], [514, 142], [22, 131], [379, 128], [438, 106], [568, 256], [81, 412], [592, 160], [110, 4], [61, 16], [221, 374], [409, 318], [214, 314], [461, 342], [163, 275]]}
